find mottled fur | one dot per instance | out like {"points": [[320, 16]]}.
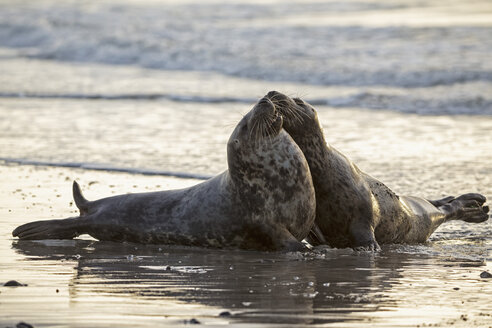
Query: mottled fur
{"points": [[264, 201], [354, 209]]}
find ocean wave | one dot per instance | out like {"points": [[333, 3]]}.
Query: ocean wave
{"points": [[463, 105], [248, 40], [129, 96], [469, 105]]}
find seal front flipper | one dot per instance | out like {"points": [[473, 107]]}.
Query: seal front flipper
{"points": [[293, 246], [288, 243], [50, 229], [363, 238], [315, 237]]}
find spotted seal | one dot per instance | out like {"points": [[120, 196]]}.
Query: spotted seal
{"points": [[356, 210], [264, 201]]}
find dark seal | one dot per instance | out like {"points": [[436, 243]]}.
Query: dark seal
{"points": [[264, 201], [354, 209]]}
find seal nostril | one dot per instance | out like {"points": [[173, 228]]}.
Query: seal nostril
{"points": [[264, 100]]}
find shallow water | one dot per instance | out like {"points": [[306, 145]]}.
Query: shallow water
{"points": [[151, 285], [149, 86]]}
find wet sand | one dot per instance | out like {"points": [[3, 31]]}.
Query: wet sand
{"points": [[85, 283], [140, 85]]}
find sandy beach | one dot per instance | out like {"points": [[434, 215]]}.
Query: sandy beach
{"points": [[98, 91]]}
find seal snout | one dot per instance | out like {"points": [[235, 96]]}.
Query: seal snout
{"points": [[265, 119], [265, 107], [274, 94], [264, 100], [281, 102], [292, 113]]}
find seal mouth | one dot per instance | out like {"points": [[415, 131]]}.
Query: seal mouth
{"points": [[288, 107], [278, 121]]}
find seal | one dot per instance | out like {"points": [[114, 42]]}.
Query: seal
{"points": [[353, 209], [264, 201]]}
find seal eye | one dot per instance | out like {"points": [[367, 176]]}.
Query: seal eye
{"points": [[236, 142]]}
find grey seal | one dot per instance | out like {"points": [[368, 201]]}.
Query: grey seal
{"points": [[353, 209], [264, 201]]}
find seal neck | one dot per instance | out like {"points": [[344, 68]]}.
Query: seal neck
{"points": [[315, 149]]}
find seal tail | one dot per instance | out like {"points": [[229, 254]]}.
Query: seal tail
{"points": [[80, 201]]}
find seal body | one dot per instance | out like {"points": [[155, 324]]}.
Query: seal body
{"points": [[356, 210], [264, 201]]}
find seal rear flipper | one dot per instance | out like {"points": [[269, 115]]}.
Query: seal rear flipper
{"points": [[468, 208], [50, 229], [440, 202], [80, 201]]}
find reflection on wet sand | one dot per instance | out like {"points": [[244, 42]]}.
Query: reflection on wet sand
{"points": [[324, 287]]}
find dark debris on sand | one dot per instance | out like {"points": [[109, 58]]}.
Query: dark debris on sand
{"points": [[23, 325], [13, 283], [485, 275]]}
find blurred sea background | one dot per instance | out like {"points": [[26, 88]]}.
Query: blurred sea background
{"points": [[403, 87], [164, 82]]}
